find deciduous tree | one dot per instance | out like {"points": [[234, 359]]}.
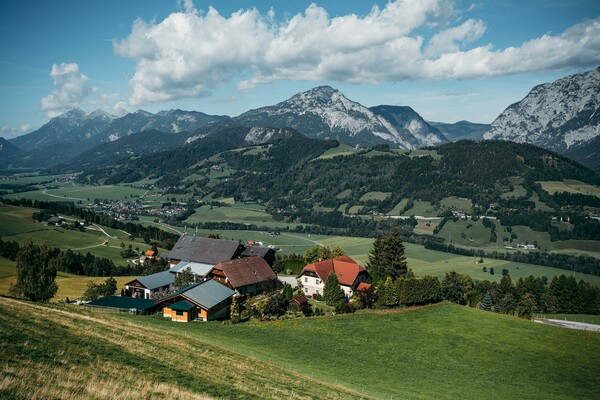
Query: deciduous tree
{"points": [[35, 273]]}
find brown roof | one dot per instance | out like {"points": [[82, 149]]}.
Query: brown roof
{"points": [[205, 250], [299, 300], [345, 268], [246, 271]]}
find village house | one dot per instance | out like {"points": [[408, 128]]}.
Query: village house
{"points": [[150, 286], [249, 275], [204, 250], [349, 273], [206, 301], [254, 249], [200, 270]]}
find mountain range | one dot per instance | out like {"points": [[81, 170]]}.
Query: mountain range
{"points": [[561, 116]]}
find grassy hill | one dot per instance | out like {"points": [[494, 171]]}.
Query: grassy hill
{"points": [[442, 351]]}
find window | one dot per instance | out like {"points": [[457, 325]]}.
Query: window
{"points": [[305, 290], [305, 279], [318, 281], [179, 313]]}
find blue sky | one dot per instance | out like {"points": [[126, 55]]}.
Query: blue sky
{"points": [[449, 60]]}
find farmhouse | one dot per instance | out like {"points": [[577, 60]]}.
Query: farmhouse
{"points": [[249, 275], [256, 250], [150, 286], [204, 250], [205, 301], [348, 271]]}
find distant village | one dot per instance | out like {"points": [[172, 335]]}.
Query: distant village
{"points": [[221, 272]]}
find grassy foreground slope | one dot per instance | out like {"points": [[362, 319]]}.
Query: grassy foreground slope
{"points": [[54, 352], [442, 351]]}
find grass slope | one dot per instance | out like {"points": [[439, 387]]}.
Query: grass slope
{"points": [[442, 351], [57, 352]]}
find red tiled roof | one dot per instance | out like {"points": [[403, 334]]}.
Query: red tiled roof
{"points": [[246, 271], [150, 253], [345, 268], [363, 286], [299, 300]]}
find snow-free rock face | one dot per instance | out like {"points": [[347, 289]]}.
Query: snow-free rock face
{"points": [[559, 116], [324, 112]]}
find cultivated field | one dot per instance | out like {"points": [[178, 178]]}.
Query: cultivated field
{"points": [[441, 351]]}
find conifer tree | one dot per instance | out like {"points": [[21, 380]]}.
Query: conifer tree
{"points": [[391, 293], [375, 258], [393, 263], [332, 292], [486, 303], [35, 273]]}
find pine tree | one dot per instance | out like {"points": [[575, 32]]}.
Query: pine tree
{"points": [[35, 273], [374, 259], [393, 263], [332, 292], [486, 303]]}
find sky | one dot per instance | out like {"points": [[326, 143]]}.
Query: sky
{"points": [[448, 60]]}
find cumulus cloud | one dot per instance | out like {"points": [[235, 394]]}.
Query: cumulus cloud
{"points": [[70, 89], [9, 132], [190, 52]]}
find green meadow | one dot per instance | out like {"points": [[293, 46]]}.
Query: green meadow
{"points": [[442, 351]]}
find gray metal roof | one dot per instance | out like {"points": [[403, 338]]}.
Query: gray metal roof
{"points": [[208, 293], [205, 250], [199, 269], [157, 280]]}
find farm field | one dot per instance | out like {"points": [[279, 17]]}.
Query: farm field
{"points": [[569, 186], [398, 207], [16, 224], [375, 196], [341, 150], [518, 192], [440, 351], [578, 247], [84, 194], [457, 203], [419, 153], [423, 209], [69, 285]]}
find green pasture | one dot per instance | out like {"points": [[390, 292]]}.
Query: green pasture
{"points": [[475, 234], [526, 234], [398, 207], [570, 186], [578, 247], [443, 351], [341, 150], [457, 203], [518, 192], [423, 209], [419, 153], [380, 196], [539, 205], [354, 209], [344, 194]]}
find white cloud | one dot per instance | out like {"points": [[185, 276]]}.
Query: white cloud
{"points": [[189, 53], [9, 132], [70, 89]]}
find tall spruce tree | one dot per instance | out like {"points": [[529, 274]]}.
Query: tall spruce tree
{"points": [[393, 263], [375, 258], [35, 273], [332, 292]]}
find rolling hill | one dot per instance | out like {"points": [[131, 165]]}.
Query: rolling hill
{"points": [[441, 351]]}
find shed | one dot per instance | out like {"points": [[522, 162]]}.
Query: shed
{"points": [[122, 303], [206, 301]]}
